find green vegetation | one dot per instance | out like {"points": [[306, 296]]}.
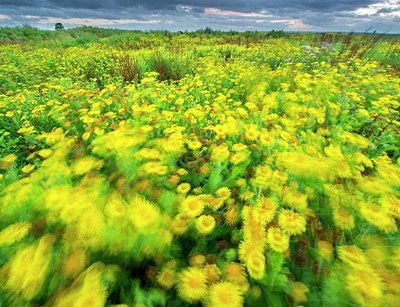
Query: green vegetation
{"points": [[212, 168]]}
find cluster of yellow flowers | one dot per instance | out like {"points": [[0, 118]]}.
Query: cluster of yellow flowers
{"points": [[239, 184]]}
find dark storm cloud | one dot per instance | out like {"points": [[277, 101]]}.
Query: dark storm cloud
{"points": [[319, 15], [239, 5]]}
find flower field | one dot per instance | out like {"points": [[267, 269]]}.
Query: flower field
{"points": [[208, 170]]}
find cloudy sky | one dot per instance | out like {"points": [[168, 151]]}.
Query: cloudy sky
{"points": [[240, 15]]}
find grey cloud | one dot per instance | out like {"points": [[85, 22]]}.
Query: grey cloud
{"points": [[320, 15]]}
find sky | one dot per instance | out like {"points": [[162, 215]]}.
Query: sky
{"points": [[240, 15]]}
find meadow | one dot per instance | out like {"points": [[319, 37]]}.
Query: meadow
{"points": [[199, 169]]}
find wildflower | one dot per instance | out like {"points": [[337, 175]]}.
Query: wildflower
{"points": [[295, 199], [192, 206], [192, 284], [231, 216], [343, 219], [204, 170], [277, 240], [143, 214], [8, 160], [28, 268], [154, 167], [84, 165], [291, 222], [149, 153], [379, 217], [87, 290], [166, 278], [267, 209], [14, 233], [205, 224], [353, 256], [174, 179], [239, 147], [225, 294], [224, 193], [183, 188], [182, 172], [194, 145], [325, 250], [255, 264], [365, 287], [251, 133], [247, 195], [241, 182], [28, 168], [220, 153], [115, 206], [213, 273], [45, 153], [298, 292], [263, 176], [239, 157], [197, 260], [75, 263], [180, 224]]}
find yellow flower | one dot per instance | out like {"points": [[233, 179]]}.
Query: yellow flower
{"points": [[88, 289], [235, 273], [192, 284], [223, 193], [179, 224], [298, 292], [343, 219], [291, 222], [75, 263], [239, 147], [9, 158], [166, 278], [143, 214], [14, 233], [183, 188], [197, 260], [192, 206], [277, 240], [194, 145], [239, 157], [295, 199], [225, 294], [231, 216], [149, 153], [379, 217], [353, 256], [220, 153], [205, 224], [263, 176], [365, 287], [28, 268], [255, 264], [251, 132], [267, 208], [247, 195], [84, 165], [154, 168], [325, 250], [45, 153], [213, 273], [28, 168]]}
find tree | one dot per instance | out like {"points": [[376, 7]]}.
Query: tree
{"points": [[59, 26]]}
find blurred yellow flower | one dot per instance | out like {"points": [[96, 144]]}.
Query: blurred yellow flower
{"points": [[192, 284]]}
